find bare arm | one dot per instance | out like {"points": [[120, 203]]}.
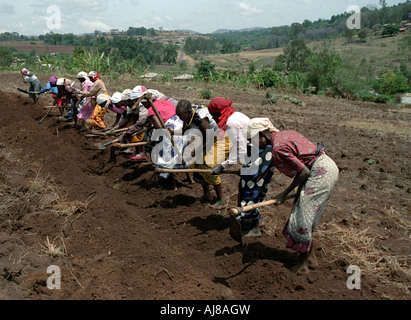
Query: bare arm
{"points": [[298, 180]]}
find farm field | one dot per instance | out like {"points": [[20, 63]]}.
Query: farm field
{"points": [[39, 47], [116, 233]]}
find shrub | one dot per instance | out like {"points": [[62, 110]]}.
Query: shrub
{"points": [[382, 98], [267, 78], [205, 69], [393, 82], [205, 94]]}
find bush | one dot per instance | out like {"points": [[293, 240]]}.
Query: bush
{"points": [[205, 94], [267, 78], [296, 80], [382, 98], [392, 83], [205, 69]]}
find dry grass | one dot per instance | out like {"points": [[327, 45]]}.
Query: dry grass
{"points": [[67, 209], [352, 245], [360, 244], [50, 248]]}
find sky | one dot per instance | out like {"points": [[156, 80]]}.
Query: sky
{"points": [[35, 17]]}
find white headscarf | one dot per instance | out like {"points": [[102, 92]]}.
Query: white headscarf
{"points": [[101, 98], [257, 125], [60, 82], [138, 92], [126, 95], [81, 75], [116, 97]]}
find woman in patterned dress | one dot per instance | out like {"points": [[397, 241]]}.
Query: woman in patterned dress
{"points": [[313, 172]]}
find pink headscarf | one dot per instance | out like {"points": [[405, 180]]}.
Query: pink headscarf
{"points": [[24, 70], [53, 80]]}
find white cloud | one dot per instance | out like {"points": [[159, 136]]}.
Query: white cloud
{"points": [[244, 9], [90, 25], [156, 20]]}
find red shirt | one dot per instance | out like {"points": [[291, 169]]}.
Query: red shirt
{"points": [[291, 152], [165, 108]]}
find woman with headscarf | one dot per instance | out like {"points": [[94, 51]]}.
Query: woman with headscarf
{"points": [[233, 124], [66, 91], [313, 172], [167, 153], [51, 86], [85, 108], [35, 84], [97, 117], [134, 118], [199, 121]]}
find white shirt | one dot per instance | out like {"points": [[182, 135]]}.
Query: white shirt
{"points": [[30, 78], [236, 130]]}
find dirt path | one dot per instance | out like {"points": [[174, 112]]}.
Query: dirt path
{"points": [[127, 237]]}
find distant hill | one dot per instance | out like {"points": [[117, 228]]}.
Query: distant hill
{"points": [[240, 30], [188, 31]]}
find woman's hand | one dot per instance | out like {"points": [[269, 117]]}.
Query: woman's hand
{"points": [[280, 198]]}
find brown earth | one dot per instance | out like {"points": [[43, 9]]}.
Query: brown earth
{"points": [[117, 234], [39, 47]]}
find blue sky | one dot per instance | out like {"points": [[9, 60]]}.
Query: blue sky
{"points": [[33, 17]]}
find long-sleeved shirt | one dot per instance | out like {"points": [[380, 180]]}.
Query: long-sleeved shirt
{"points": [[142, 119], [30, 77], [50, 87], [236, 131], [98, 88]]}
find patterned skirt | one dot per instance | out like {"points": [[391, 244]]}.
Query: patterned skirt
{"points": [[253, 188], [309, 205]]}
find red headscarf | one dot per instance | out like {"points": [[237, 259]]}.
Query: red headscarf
{"points": [[223, 106]]}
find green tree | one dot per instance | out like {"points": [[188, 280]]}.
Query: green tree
{"points": [[393, 82], [322, 67], [296, 56], [170, 54], [205, 69], [390, 30], [295, 29]]}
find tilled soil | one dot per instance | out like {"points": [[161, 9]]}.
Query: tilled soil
{"points": [[123, 235]]}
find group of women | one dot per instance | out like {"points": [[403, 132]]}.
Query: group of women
{"points": [[213, 138]]}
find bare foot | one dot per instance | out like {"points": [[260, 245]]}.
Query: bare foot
{"points": [[312, 260], [301, 268]]}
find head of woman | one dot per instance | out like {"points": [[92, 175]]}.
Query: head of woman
{"points": [[219, 106], [60, 84], [126, 98], [116, 99], [184, 110], [82, 76], [103, 100], [93, 75], [53, 81], [260, 129]]}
